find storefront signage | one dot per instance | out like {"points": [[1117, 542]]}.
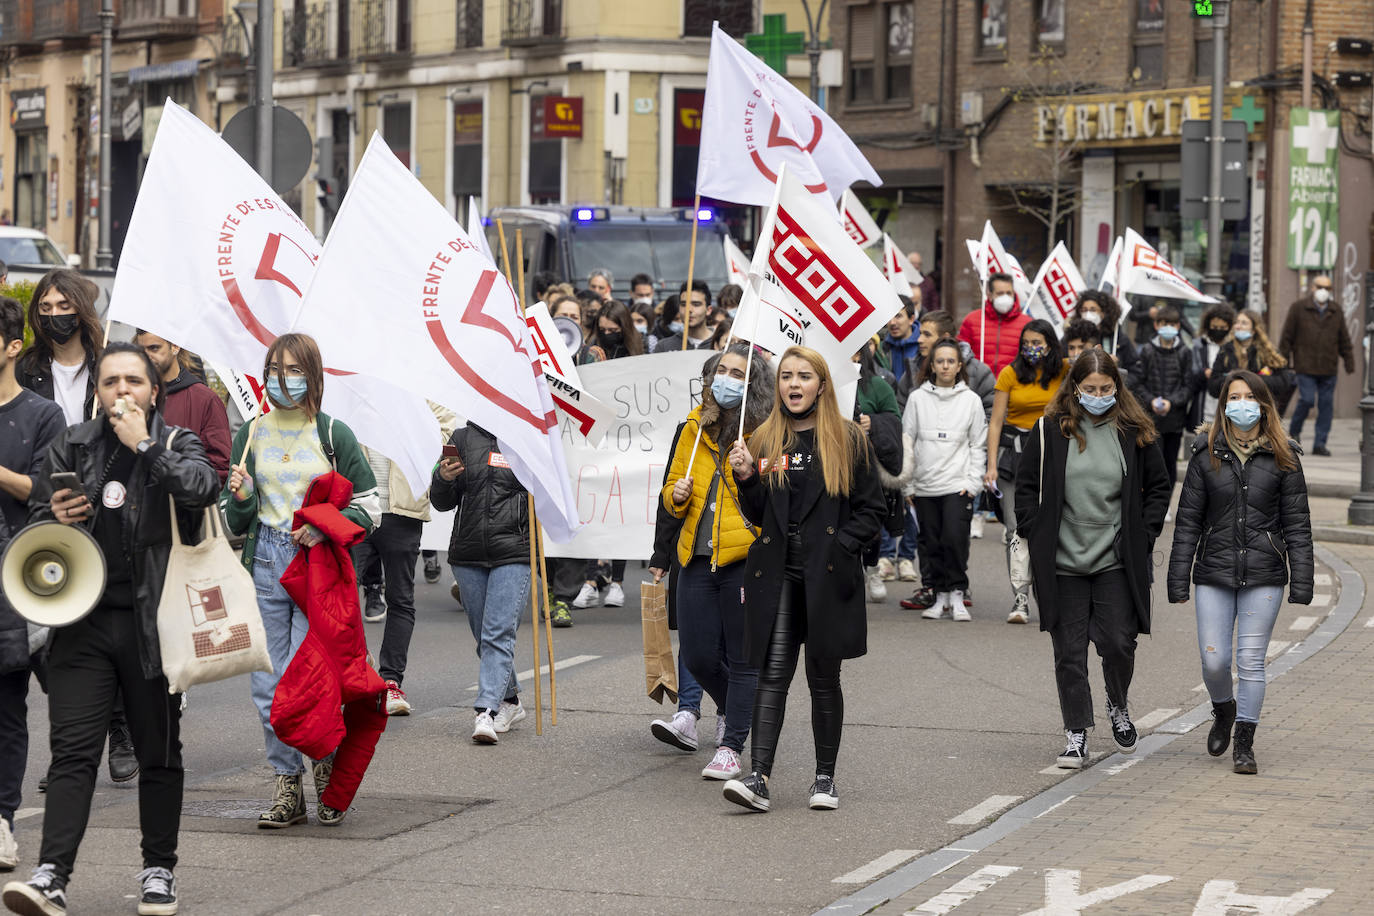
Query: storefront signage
{"points": [[29, 109], [467, 124], [1313, 188], [1126, 119], [563, 117]]}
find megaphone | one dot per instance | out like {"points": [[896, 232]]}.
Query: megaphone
{"points": [[571, 332], [52, 574]]}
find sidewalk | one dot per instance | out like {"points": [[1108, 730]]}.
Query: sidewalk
{"points": [[1172, 830]]}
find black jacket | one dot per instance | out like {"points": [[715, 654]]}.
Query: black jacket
{"points": [[36, 375], [1168, 374], [666, 529], [1226, 363], [182, 472], [1241, 525], [1145, 496], [835, 530], [492, 527]]}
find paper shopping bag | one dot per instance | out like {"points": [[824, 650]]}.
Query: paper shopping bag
{"points": [[660, 671]]}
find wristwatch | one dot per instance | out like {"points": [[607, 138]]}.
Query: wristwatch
{"points": [[142, 447]]}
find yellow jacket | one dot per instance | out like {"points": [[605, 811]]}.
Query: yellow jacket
{"points": [[732, 535]]}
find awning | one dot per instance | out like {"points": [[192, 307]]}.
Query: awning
{"points": [[173, 70]]}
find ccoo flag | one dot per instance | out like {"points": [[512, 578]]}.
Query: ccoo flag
{"points": [[857, 221], [898, 269], [1056, 289], [753, 121], [736, 264], [1143, 271], [453, 329]]}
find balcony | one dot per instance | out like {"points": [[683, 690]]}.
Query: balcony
{"points": [[305, 37], [16, 23], [56, 19], [381, 28], [153, 19], [532, 22]]}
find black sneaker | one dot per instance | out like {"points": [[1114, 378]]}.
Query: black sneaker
{"points": [[123, 761], [159, 896], [924, 598], [1123, 730], [374, 608], [44, 894], [824, 796], [1075, 755], [432, 568], [1321, 450], [750, 792]]}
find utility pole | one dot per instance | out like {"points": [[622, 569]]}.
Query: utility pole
{"points": [[104, 256], [1308, 34], [264, 101], [1212, 280], [813, 45]]}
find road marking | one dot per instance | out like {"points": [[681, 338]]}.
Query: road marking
{"points": [[544, 669], [962, 891], [1321, 579], [1062, 801], [1199, 688], [1275, 647], [1057, 770], [1219, 898], [1062, 896], [1369, 624], [1303, 623], [885, 862], [1151, 719], [985, 809], [27, 812], [1122, 766], [1320, 600]]}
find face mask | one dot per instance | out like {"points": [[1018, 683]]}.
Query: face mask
{"points": [[1219, 334], [1094, 317], [295, 388], [1321, 296], [1244, 335], [612, 338], [60, 328], [727, 391], [1167, 332], [803, 414], [1097, 405], [643, 329], [1245, 414], [644, 300], [675, 327], [1003, 303], [1033, 355], [731, 313]]}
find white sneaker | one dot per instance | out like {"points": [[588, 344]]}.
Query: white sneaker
{"points": [[975, 527], [887, 570], [508, 715], [725, 765], [588, 597], [877, 591], [615, 596], [1020, 610], [720, 729], [484, 729], [9, 850], [680, 731], [956, 605], [938, 609], [906, 571]]}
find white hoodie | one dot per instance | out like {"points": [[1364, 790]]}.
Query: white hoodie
{"points": [[951, 436]]}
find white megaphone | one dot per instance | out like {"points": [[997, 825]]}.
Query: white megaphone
{"points": [[571, 333], [52, 574]]}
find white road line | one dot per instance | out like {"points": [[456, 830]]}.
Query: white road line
{"points": [[1151, 719], [1123, 765], [885, 862], [1303, 623], [1275, 647], [1062, 801], [1199, 688], [27, 812], [544, 669], [962, 891], [1320, 600], [1321, 579], [985, 809], [1369, 624]]}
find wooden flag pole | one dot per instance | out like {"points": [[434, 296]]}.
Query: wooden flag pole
{"points": [[548, 633], [534, 577], [684, 306]]}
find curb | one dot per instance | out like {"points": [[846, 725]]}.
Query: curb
{"points": [[1343, 534], [921, 870]]}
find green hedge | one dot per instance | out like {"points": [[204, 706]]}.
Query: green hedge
{"points": [[23, 291]]}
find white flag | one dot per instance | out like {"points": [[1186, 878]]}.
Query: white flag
{"points": [[991, 258], [215, 262], [754, 120], [768, 317], [842, 295], [898, 269], [453, 327], [1111, 276], [857, 221], [1143, 271], [589, 417], [1056, 289], [476, 231], [736, 264]]}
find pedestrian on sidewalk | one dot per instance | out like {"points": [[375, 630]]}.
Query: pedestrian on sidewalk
{"points": [[490, 554], [1024, 389], [1090, 543], [816, 495], [1217, 323], [1101, 308], [1163, 381], [1248, 347], [877, 413], [713, 543], [944, 418], [269, 477], [1243, 532], [1314, 337]]}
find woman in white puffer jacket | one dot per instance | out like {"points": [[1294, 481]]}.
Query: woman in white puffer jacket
{"points": [[945, 419]]}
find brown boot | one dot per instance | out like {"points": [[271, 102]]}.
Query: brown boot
{"points": [[288, 805]]}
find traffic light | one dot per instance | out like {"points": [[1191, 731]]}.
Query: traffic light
{"points": [[1203, 9]]}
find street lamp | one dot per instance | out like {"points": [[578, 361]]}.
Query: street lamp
{"points": [[248, 19], [104, 255], [813, 45]]}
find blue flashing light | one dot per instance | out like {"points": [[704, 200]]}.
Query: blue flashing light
{"points": [[705, 214], [584, 214]]}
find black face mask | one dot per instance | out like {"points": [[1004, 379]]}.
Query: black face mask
{"points": [[803, 414], [59, 328], [1217, 334], [612, 339]]}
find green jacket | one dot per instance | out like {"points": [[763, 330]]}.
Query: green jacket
{"points": [[879, 398], [344, 453]]}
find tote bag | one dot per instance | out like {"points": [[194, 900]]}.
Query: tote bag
{"points": [[208, 623]]}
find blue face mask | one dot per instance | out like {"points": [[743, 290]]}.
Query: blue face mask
{"points": [[1097, 405], [727, 391], [1244, 335], [295, 389], [1167, 332], [675, 327], [1245, 414], [731, 313]]}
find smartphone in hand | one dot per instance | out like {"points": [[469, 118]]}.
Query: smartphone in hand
{"points": [[65, 480]]}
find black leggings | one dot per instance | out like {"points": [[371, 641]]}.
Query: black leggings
{"points": [[822, 677]]}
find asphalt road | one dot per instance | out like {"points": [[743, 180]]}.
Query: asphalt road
{"points": [[596, 816]]}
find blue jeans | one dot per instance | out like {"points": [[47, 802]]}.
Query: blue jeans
{"points": [[286, 626], [1249, 613], [906, 549], [688, 690], [710, 626], [494, 599], [1318, 388]]}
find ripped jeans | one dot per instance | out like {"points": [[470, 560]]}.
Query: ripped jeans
{"points": [[1249, 614]]}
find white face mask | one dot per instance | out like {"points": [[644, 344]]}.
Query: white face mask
{"points": [[1094, 317], [1321, 296], [1003, 303]]}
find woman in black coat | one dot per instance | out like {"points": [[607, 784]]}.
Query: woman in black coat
{"points": [[1243, 531], [1090, 544], [815, 493]]}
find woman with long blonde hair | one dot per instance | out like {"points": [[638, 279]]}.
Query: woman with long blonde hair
{"points": [[1248, 347], [815, 494]]}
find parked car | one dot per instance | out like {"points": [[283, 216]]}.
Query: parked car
{"points": [[30, 253]]}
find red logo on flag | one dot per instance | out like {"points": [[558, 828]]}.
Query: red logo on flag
{"points": [[584, 422], [541, 346], [806, 272], [776, 140], [1059, 288], [1147, 257]]}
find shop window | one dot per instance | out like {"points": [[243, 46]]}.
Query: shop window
{"points": [[1049, 24], [396, 130], [545, 159], [736, 17], [467, 151], [881, 39], [901, 30], [992, 27], [31, 179], [1203, 58]]}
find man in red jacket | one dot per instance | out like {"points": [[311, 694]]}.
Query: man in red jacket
{"points": [[190, 402], [994, 332]]}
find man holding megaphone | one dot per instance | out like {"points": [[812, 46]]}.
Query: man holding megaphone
{"points": [[126, 463]]}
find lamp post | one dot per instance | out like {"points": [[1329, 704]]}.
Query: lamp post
{"points": [[104, 256], [256, 19], [813, 45], [248, 19]]}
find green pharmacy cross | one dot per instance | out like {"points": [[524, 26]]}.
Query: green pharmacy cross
{"points": [[775, 43], [1247, 111]]}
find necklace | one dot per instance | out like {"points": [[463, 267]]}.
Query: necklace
{"points": [[286, 450]]}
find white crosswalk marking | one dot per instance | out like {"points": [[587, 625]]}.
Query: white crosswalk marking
{"points": [[962, 891], [544, 669], [1151, 719], [984, 809], [1303, 623], [885, 862], [1320, 600]]}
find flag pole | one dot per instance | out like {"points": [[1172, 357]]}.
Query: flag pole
{"points": [[761, 250], [534, 577], [691, 266]]}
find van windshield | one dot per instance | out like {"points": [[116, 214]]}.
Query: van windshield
{"points": [[661, 251], [673, 245]]}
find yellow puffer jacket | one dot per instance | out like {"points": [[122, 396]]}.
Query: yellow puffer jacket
{"points": [[732, 535]]}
